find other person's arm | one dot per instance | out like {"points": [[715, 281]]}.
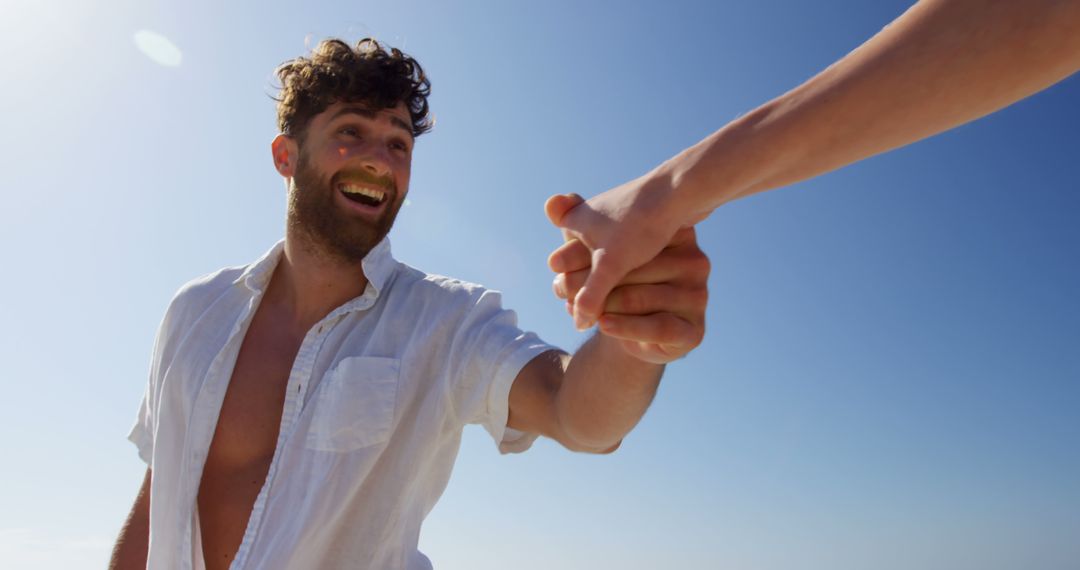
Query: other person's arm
{"points": [[939, 65]]}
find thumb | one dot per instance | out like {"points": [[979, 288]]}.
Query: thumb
{"points": [[559, 205], [607, 271]]}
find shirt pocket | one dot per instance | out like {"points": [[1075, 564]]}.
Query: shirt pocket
{"points": [[354, 407]]}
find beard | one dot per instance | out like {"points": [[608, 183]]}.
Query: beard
{"points": [[328, 229]]}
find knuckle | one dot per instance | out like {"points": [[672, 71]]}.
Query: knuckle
{"points": [[698, 336], [699, 298], [686, 335], [701, 264]]}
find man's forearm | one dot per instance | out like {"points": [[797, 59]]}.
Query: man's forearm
{"points": [[941, 64], [604, 393]]}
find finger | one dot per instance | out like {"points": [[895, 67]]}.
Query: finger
{"points": [[687, 267], [683, 237], [558, 286], [572, 282], [607, 271], [660, 328], [570, 256], [651, 352], [686, 302], [558, 205], [575, 256], [679, 267], [566, 291]]}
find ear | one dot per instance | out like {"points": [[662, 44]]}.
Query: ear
{"points": [[285, 153]]}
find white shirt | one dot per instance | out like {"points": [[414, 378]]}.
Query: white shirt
{"points": [[374, 409]]}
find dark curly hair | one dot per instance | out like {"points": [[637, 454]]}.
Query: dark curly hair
{"points": [[336, 72]]}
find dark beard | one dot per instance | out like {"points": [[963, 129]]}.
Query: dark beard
{"points": [[329, 230]]}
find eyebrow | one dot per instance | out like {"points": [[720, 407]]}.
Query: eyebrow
{"points": [[369, 114]]}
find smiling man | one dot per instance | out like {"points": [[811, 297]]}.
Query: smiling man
{"points": [[305, 410]]}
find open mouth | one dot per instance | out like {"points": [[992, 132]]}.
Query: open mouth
{"points": [[371, 197]]}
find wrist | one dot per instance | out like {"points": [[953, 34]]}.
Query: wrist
{"points": [[729, 164], [669, 202], [688, 198]]}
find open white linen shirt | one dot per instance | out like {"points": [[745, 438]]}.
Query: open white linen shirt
{"points": [[374, 409]]}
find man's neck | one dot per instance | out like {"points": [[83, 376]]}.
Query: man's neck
{"points": [[308, 284]]}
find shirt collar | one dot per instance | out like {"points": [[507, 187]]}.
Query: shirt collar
{"points": [[379, 268]]}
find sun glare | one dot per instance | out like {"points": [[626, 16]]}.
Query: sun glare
{"points": [[158, 48]]}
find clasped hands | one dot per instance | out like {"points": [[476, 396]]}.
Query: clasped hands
{"points": [[653, 299]]}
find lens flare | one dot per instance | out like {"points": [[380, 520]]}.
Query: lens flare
{"points": [[158, 48]]}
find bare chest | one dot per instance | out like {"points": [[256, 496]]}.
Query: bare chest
{"points": [[250, 416], [245, 437]]}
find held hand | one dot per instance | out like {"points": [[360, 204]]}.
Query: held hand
{"points": [[623, 229], [658, 310]]}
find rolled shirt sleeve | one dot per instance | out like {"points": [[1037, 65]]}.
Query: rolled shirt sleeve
{"points": [[490, 351]]}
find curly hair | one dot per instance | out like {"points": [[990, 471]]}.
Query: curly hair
{"points": [[336, 72]]}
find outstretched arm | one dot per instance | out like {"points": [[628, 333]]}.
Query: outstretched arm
{"points": [[591, 400], [941, 64]]}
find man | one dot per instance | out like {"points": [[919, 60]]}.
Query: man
{"points": [[304, 411]]}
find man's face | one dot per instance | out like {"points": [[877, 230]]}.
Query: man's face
{"points": [[351, 177]]}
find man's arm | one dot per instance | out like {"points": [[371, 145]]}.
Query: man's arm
{"points": [[133, 543], [941, 64], [591, 400]]}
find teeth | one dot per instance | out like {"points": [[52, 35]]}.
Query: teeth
{"points": [[372, 193]]}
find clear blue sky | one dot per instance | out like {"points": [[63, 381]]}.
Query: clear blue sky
{"points": [[891, 376]]}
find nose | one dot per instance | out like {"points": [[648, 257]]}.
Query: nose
{"points": [[376, 162]]}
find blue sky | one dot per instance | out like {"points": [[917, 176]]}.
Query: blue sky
{"points": [[891, 373]]}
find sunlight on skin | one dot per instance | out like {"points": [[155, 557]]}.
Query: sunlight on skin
{"points": [[158, 48], [341, 151]]}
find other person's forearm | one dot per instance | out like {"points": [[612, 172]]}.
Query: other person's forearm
{"points": [[604, 393], [941, 64]]}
